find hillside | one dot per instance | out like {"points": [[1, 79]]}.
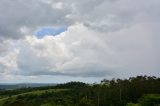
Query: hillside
{"points": [[135, 91]]}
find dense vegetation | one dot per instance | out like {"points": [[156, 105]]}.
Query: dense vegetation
{"points": [[135, 91]]}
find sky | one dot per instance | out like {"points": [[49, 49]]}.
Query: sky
{"points": [[56, 41]]}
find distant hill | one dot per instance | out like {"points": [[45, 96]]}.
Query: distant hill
{"points": [[24, 85]]}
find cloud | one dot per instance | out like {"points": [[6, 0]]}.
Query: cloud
{"points": [[107, 38], [31, 15], [82, 52], [64, 54], [8, 56], [24, 17]]}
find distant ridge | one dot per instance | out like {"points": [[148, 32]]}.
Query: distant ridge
{"points": [[10, 86]]}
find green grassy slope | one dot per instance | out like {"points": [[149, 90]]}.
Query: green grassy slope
{"points": [[36, 92]]}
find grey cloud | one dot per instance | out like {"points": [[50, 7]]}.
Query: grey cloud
{"points": [[86, 53], [104, 15], [116, 37], [30, 14], [2, 68], [113, 15], [101, 15]]}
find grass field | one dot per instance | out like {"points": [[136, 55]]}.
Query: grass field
{"points": [[36, 92]]}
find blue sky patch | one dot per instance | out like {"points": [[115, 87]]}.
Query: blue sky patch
{"points": [[49, 31]]}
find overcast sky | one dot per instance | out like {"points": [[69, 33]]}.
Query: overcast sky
{"points": [[78, 40]]}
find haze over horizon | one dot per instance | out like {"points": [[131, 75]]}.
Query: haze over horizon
{"points": [[56, 41]]}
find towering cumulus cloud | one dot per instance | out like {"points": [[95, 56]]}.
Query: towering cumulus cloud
{"points": [[94, 38]]}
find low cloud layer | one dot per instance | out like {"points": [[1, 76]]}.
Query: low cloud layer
{"points": [[107, 38]]}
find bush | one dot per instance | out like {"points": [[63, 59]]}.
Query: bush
{"points": [[150, 100], [85, 102], [132, 104]]}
